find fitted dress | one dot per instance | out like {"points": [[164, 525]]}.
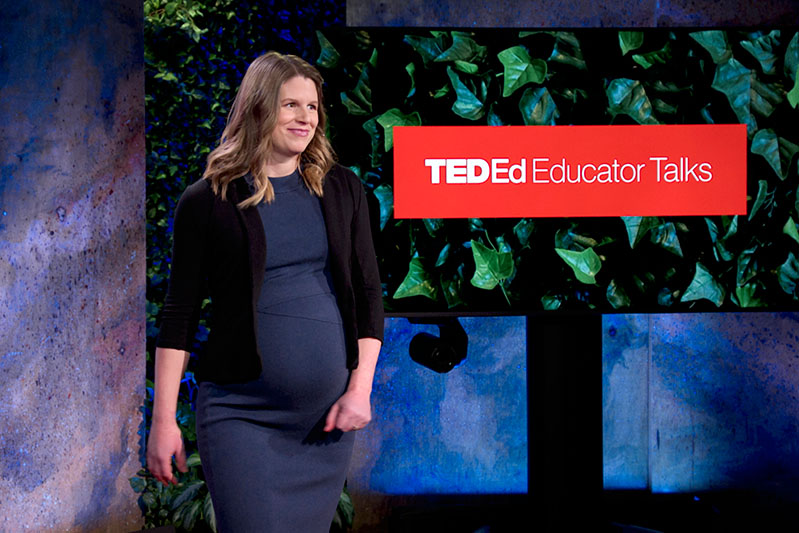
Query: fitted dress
{"points": [[268, 464]]}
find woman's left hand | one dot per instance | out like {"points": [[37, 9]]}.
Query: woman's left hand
{"points": [[350, 412]]}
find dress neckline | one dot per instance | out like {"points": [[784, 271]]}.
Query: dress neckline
{"points": [[288, 183], [280, 184]]}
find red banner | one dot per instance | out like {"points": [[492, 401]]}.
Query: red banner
{"points": [[569, 171]]}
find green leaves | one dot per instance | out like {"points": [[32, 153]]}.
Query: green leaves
{"points": [[538, 108], [567, 50], [188, 492], [467, 105], [524, 230], [519, 69], [453, 289], [208, 511], [745, 296], [720, 250], [793, 94], [359, 101], [764, 198], [777, 151], [504, 78], [395, 117], [427, 47], [762, 49], [658, 57], [704, 287], [385, 197], [328, 56], [373, 131], [491, 267], [715, 42], [463, 52], [790, 230], [746, 266], [665, 236], [585, 264], [630, 40], [626, 96], [463, 49], [734, 80], [637, 227], [177, 14], [417, 282], [790, 68], [792, 57], [345, 512], [137, 484], [789, 276], [617, 296]]}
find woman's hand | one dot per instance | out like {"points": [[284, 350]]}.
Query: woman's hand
{"points": [[350, 412], [165, 442], [353, 410]]}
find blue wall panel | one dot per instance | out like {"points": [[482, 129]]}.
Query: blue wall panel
{"points": [[460, 432], [712, 399]]}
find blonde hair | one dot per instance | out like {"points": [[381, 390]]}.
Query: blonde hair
{"points": [[246, 142]]}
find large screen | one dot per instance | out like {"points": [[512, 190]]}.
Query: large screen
{"points": [[378, 79]]}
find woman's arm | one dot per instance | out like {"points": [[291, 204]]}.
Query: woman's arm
{"points": [[353, 410], [165, 440], [179, 317]]}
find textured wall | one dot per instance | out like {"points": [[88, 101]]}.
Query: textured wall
{"points": [[569, 13], [463, 432], [71, 264], [697, 402]]}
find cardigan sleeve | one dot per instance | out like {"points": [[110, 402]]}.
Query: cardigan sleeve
{"points": [[365, 275], [187, 279]]}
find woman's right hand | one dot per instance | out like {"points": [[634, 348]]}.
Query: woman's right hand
{"points": [[165, 442]]}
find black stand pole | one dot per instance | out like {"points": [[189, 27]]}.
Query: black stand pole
{"points": [[565, 422]]}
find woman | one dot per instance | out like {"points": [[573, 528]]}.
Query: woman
{"points": [[279, 236]]}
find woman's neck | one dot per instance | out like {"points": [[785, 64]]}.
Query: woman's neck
{"points": [[282, 168]]}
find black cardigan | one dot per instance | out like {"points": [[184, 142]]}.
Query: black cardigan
{"points": [[220, 250]]}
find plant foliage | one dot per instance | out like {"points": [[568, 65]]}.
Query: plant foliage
{"points": [[581, 77]]}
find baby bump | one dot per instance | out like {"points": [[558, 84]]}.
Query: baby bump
{"points": [[303, 351]]}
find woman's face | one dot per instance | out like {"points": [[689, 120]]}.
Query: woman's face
{"points": [[297, 118]]}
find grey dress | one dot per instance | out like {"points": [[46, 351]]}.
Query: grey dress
{"points": [[268, 464]]}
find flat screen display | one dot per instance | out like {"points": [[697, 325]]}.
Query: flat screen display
{"points": [[379, 79]]}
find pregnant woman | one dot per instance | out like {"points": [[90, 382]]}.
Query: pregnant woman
{"points": [[278, 236]]}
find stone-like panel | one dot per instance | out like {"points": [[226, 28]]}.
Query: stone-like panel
{"points": [[570, 13], [724, 392], [477, 14], [72, 264], [463, 432], [625, 401], [728, 13], [721, 401]]}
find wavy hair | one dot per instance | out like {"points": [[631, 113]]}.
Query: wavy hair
{"points": [[246, 143]]}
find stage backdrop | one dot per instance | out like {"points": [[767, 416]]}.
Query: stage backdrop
{"points": [[72, 238], [71, 264]]}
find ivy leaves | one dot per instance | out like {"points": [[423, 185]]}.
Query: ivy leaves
{"points": [[585, 264], [492, 267], [520, 69], [557, 78], [467, 103]]}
